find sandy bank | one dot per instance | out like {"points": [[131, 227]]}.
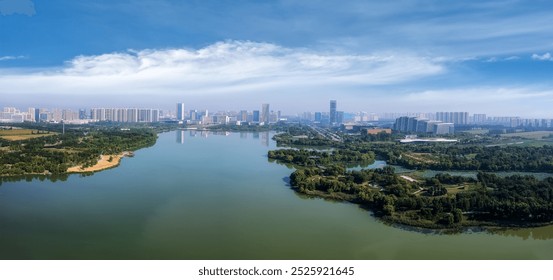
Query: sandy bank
{"points": [[103, 163]]}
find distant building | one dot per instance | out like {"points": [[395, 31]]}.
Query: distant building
{"points": [[255, 117], [453, 117], [243, 116], [373, 131], [444, 128], [37, 115], [131, 115], [180, 112], [318, 116], [265, 117], [193, 115], [339, 117], [422, 125], [82, 114], [479, 118], [332, 113]]}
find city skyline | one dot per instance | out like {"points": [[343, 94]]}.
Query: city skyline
{"points": [[492, 57], [438, 122]]}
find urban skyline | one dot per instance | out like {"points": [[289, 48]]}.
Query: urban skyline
{"points": [[406, 121]]}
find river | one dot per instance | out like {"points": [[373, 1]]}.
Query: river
{"points": [[198, 195]]}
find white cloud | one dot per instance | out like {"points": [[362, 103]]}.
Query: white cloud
{"points": [[545, 56], [224, 67], [499, 101], [11, 57], [10, 7]]}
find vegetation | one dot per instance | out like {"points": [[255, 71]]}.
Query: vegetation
{"points": [[443, 201], [55, 153], [315, 158]]}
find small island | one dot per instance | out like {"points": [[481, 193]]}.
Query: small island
{"points": [[443, 201]]}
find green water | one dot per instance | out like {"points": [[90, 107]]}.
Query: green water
{"points": [[205, 196]]}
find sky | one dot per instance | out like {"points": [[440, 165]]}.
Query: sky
{"points": [[493, 57]]}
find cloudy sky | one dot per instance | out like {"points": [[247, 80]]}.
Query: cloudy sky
{"points": [[492, 57]]}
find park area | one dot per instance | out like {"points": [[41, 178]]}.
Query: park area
{"points": [[17, 134]]}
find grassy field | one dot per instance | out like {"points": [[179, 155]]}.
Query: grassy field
{"points": [[535, 135], [23, 134]]}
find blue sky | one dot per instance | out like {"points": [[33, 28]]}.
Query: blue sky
{"points": [[490, 57]]}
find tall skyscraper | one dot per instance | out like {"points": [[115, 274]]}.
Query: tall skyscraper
{"points": [[265, 113], [332, 111], [180, 112], [37, 115], [256, 116]]}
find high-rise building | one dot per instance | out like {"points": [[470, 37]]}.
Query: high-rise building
{"points": [[339, 117], [180, 112], [243, 116], [423, 125], [479, 118], [318, 116], [265, 118], [194, 115], [37, 115], [256, 116], [332, 113], [453, 117]]}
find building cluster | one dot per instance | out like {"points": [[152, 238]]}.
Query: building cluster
{"points": [[459, 118], [435, 123], [127, 115], [512, 122], [423, 125], [13, 115], [333, 117], [256, 117]]}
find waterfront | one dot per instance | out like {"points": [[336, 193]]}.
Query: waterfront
{"points": [[196, 195]]}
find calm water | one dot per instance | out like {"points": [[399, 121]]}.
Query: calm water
{"points": [[205, 196]]}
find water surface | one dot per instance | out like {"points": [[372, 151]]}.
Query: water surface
{"points": [[196, 195]]}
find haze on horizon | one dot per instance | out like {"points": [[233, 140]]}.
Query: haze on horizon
{"points": [[489, 57]]}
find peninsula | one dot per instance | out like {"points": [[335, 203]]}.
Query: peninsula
{"points": [[442, 201], [49, 150]]}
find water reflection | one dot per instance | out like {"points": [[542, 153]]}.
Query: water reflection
{"points": [[180, 135], [538, 233], [265, 138], [40, 177]]}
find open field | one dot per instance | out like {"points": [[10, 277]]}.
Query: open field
{"points": [[536, 135], [23, 134], [421, 157]]}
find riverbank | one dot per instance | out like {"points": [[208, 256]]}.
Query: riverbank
{"points": [[105, 162]]}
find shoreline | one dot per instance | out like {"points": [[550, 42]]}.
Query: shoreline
{"points": [[102, 164], [412, 225]]}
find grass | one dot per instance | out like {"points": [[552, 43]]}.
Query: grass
{"points": [[477, 131], [23, 134], [421, 157], [454, 189], [535, 135]]}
